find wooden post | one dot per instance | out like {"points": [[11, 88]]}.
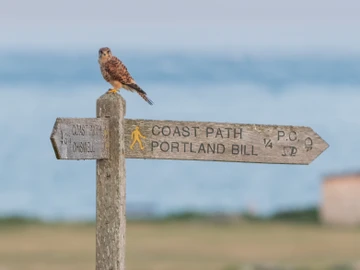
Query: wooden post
{"points": [[104, 138], [111, 188]]}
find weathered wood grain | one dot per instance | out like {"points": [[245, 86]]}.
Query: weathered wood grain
{"points": [[80, 138], [222, 142], [110, 139], [111, 188]]}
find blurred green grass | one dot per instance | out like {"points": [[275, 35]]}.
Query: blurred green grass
{"points": [[186, 241], [307, 215]]}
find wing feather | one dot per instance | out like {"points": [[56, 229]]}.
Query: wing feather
{"points": [[118, 71]]}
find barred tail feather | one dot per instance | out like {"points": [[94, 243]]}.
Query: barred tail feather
{"points": [[142, 93], [148, 100]]}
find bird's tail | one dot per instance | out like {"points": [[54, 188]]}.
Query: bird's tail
{"points": [[142, 93]]}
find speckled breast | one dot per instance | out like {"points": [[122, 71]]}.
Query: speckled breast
{"points": [[105, 74]]}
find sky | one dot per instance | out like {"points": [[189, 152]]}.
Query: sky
{"points": [[277, 26]]}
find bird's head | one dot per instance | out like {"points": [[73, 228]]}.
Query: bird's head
{"points": [[104, 54]]}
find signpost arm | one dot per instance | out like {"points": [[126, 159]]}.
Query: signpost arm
{"points": [[111, 188]]}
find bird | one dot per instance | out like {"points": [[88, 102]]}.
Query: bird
{"points": [[115, 72]]}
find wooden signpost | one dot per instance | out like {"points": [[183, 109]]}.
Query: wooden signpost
{"points": [[80, 138], [110, 138], [152, 139]]}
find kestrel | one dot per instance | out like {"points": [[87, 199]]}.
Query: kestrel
{"points": [[115, 73]]}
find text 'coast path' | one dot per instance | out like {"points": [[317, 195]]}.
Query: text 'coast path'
{"points": [[182, 140]]}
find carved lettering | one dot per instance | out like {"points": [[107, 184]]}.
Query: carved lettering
{"points": [[154, 144], [202, 148], [174, 146], [65, 138], [235, 149], [166, 131], [177, 131], [191, 148], [78, 130], [237, 133], [308, 144], [209, 130], [289, 151], [85, 130], [219, 133], [195, 131], [80, 138], [244, 150], [268, 143], [185, 144], [280, 134], [186, 131], [155, 130], [186, 147], [220, 148], [211, 148], [292, 136], [164, 146], [227, 133], [83, 147], [191, 140]]}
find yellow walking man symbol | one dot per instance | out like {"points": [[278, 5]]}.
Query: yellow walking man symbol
{"points": [[136, 136]]}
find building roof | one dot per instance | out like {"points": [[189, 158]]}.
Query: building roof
{"points": [[341, 176]]}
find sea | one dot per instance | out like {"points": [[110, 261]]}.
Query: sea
{"points": [[36, 87]]}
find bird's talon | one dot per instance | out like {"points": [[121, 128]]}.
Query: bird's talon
{"points": [[112, 91]]}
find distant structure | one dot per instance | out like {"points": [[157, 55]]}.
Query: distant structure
{"points": [[341, 200]]}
